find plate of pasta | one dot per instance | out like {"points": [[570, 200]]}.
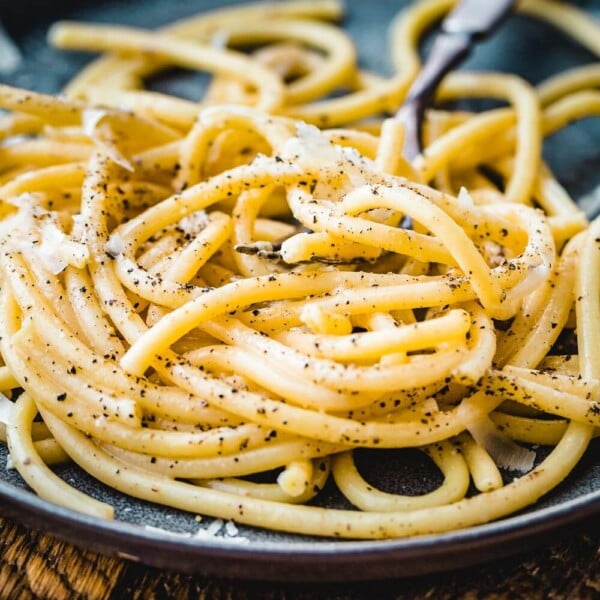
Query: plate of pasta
{"points": [[241, 334]]}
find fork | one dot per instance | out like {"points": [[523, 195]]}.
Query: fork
{"points": [[469, 22]]}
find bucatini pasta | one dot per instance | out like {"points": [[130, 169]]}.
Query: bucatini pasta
{"points": [[196, 292]]}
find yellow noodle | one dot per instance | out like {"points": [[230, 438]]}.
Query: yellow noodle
{"points": [[27, 460]]}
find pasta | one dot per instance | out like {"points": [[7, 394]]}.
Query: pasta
{"points": [[193, 293]]}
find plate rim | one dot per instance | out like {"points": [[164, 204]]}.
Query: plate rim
{"points": [[266, 560]]}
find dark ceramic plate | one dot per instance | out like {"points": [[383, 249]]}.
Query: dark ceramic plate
{"points": [[166, 538]]}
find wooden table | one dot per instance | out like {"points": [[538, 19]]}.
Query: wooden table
{"points": [[34, 565]]}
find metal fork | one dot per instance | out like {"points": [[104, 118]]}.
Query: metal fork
{"points": [[469, 22]]}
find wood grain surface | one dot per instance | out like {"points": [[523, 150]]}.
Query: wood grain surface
{"points": [[34, 565]]}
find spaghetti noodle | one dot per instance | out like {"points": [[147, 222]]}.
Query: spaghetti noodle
{"points": [[196, 292]]}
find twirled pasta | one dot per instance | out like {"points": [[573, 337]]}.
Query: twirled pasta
{"points": [[192, 293]]}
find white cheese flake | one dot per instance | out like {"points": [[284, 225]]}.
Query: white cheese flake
{"points": [[214, 527], [220, 39], [506, 453], [231, 529], [57, 250], [115, 245], [464, 199], [90, 119], [194, 223]]}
